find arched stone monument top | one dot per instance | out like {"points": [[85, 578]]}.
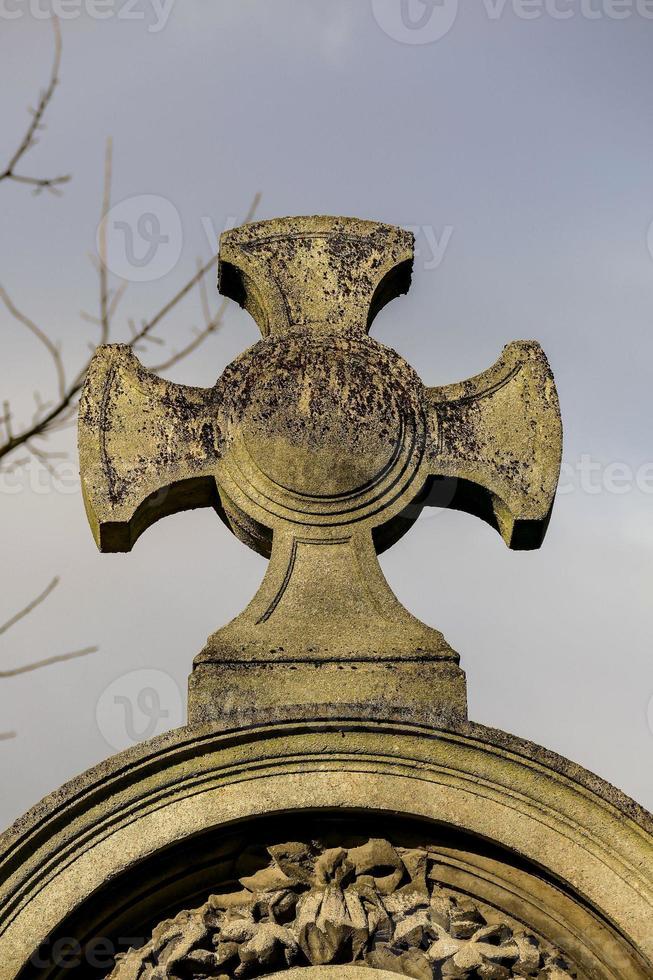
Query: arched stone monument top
{"points": [[530, 836]]}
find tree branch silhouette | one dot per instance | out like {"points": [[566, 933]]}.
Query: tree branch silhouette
{"points": [[21, 442], [30, 138], [46, 661], [57, 412]]}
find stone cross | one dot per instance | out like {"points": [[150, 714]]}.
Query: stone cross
{"points": [[318, 447]]}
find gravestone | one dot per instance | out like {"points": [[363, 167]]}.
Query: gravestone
{"points": [[328, 810]]}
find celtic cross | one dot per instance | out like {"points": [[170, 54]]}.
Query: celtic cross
{"points": [[318, 447]]}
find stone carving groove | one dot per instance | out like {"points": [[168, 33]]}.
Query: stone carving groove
{"points": [[375, 905]]}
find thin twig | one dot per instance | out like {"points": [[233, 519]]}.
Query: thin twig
{"points": [[179, 295], [4, 736], [105, 317], [198, 339], [37, 664], [47, 661], [6, 419], [29, 139], [30, 606], [44, 457], [204, 296], [115, 298], [50, 346]]}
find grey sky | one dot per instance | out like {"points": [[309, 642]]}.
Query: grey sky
{"points": [[522, 149]]}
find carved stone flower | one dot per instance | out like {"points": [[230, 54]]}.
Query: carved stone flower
{"points": [[373, 904]]}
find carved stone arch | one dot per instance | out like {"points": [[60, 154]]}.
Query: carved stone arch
{"points": [[537, 845]]}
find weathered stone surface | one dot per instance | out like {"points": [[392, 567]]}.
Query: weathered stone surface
{"points": [[335, 973], [345, 911], [114, 845], [319, 446]]}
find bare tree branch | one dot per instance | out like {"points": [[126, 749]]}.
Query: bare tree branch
{"points": [[149, 325], [54, 415], [30, 139], [49, 345], [47, 661], [103, 272], [210, 327], [26, 610], [37, 664]]}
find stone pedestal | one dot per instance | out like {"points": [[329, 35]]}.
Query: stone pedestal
{"points": [[422, 690]]}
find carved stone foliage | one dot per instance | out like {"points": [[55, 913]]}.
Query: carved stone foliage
{"points": [[375, 905]]}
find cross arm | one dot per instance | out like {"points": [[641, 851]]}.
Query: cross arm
{"points": [[147, 447], [496, 443]]}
